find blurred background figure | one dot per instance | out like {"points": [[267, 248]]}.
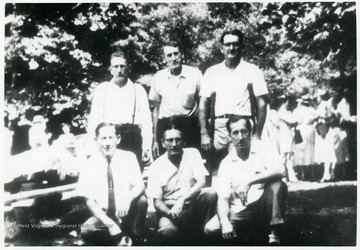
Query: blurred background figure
{"points": [[38, 136], [21, 126], [305, 114], [287, 123], [340, 121], [324, 138], [271, 127], [8, 135]]}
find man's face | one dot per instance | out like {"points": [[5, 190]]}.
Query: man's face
{"points": [[173, 142], [240, 135], [107, 141], [231, 47], [172, 57], [119, 69]]}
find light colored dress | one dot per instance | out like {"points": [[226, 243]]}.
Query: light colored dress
{"points": [[304, 152], [341, 142], [286, 132], [271, 129], [324, 147]]}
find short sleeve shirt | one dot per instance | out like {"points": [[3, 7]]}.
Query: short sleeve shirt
{"points": [[93, 182], [170, 183], [230, 86], [177, 95], [233, 171]]}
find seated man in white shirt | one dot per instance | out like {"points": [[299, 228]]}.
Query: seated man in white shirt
{"points": [[251, 193], [112, 185], [177, 186]]}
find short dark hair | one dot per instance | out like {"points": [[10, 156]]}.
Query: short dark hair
{"points": [[173, 123], [104, 124], [235, 32], [172, 43], [236, 118], [121, 54]]}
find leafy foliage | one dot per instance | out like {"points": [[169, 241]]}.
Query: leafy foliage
{"points": [[56, 54]]}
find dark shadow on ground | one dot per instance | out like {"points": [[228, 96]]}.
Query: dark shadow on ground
{"points": [[319, 217]]}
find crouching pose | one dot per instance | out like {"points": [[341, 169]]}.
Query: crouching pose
{"points": [[112, 185], [177, 185], [251, 194]]}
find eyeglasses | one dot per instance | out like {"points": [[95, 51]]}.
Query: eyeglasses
{"points": [[234, 44], [171, 140]]}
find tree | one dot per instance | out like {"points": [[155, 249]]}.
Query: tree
{"points": [[55, 54]]}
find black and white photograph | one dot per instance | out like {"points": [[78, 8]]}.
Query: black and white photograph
{"points": [[179, 124]]}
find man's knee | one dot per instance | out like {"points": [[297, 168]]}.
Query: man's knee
{"points": [[167, 229], [208, 194], [142, 202], [277, 187]]}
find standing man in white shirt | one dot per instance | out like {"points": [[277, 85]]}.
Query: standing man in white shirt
{"points": [[251, 193], [237, 84], [175, 95], [112, 185], [125, 104]]}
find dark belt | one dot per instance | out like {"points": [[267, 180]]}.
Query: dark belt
{"points": [[226, 116]]}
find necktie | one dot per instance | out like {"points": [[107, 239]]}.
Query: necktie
{"points": [[111, 195]]}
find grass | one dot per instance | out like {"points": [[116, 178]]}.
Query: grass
{"points": [[317, 215]]}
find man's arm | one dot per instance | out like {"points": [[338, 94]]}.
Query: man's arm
{"points": [[271, 174], [161, 209], [137, 191], [223, 211], [261, 102], [155, 118], [177, 209], [96, 211], [146, 123], [200, 183], [203, 112]]}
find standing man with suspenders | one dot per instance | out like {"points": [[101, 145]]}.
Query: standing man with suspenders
{"points": [[125, 104], [237, 84]]}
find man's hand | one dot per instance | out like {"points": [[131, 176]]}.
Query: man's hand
{"points": [[227, 230], [177, 210], [242, 191], [145, 155], [114, 229], [123, 209], [155, 150], [205, 141]]}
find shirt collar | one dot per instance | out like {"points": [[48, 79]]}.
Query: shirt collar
{"points": [[181, 75], [128, 83], [166, 162], [235, 158], [237, 67]]}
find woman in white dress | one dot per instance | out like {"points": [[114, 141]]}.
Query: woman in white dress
{"points": [[287, 123], [305, 114], [324, 139]]}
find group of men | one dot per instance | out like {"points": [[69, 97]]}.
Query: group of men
{"points": [[248, 193]]}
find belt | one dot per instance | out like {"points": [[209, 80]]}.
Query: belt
{"points": [[226, 116]]}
